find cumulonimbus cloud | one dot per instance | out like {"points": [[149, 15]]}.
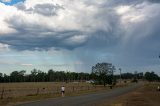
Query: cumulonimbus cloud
{"points": [[66, 24]]}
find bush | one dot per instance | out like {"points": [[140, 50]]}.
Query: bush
{"points": [[134, 81]]}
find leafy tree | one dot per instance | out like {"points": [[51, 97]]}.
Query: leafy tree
{"points": [[6, 78], [104, 71], [14, 76], [40, 76], [22, 75], [127, 76], [51, 75], [1, 77], [33, 75], [151, 76]]}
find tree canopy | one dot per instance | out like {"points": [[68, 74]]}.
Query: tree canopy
{"points": [[104, 71], [151, 76]]}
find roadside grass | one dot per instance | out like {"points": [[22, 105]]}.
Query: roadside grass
{"points": [[144, 96], [22, 99]]}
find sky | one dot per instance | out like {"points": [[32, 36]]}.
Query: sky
{"points": [[74, 35]]}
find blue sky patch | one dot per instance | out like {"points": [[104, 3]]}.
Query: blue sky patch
{"points": [[11, 2]]}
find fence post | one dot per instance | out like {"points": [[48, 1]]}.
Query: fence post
{"points": [[73, 88], [37, 91], [2, 93], [57, 89], [94, 87]]}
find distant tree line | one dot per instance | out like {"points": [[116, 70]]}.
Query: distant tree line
{"points": [[102, 73], [135, 75], [148, 76], [40, 76]]}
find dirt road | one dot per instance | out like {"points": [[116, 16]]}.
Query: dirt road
{"points": [[84, 100]]}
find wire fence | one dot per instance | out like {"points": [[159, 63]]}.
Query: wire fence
{"points": [[19, 92]]}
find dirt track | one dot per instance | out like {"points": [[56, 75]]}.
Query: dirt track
{"points": [[84, 100]]}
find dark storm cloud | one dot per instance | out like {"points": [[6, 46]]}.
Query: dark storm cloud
{"points": [[154, 1], [141, 47], [27, 42], [107, 38]]}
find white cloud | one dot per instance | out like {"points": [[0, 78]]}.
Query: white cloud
{"points": [[6, 12], [73, 15], [137, 19], [77, 39], [130, 14], [122, 9], [27, 65]]}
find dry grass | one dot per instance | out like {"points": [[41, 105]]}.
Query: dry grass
{"points": [[22, 92], [144, 96], [26, 89], [38, 84]]}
